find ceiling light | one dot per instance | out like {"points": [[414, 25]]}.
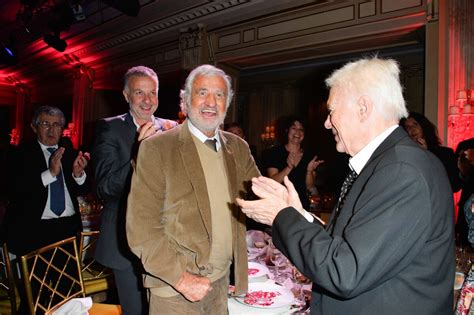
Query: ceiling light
{"points": [[78, 12]]}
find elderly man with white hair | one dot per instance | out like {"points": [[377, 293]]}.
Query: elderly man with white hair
{"points": [[389, 246]]}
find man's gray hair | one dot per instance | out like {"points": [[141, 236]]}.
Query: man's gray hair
{"points": [[204, 70], [139, 71], [376, 78], [50, 111]]}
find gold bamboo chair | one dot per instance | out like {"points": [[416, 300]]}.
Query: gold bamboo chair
{"points": [[96, 277], [8, 294], [52, 276]]}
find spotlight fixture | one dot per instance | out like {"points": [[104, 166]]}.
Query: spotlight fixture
{"points": [[55, 42], [78, 12]]}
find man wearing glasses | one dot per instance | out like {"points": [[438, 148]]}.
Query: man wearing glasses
{"points": [[46, 178]]}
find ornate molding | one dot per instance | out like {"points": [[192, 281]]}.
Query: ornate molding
{"points": [[325, 30], [183, 18], [193, 46]]}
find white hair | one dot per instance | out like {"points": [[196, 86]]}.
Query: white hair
{"points": [[204, 70], [376, 78]]}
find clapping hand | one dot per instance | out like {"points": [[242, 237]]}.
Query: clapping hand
{"points": [[314, 163], [80, 163], [274, 198], [294, 159], [55, 161]]}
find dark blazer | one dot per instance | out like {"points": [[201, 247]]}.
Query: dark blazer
{"points": [[114, 147], [392, 248], [25, 229]]}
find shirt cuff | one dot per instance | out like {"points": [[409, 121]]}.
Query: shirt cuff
{"points": [[308, 216], [80, 180], [47, 178]]}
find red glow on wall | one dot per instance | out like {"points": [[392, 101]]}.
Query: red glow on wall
{"points": [[460, 98]]}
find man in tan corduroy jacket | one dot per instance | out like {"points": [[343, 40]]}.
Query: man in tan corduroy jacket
{"points": [[182, 220]]}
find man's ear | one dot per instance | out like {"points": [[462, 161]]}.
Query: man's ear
{"points": [[364, 107], [125, 94], [33, 127]]}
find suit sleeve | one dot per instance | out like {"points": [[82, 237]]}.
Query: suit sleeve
{"points": [[148, 215], [388, 227], [250, 165], [25, 176], [111, 170]]}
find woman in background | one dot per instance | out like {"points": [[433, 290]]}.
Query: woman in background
{"points": [[292, 160], [425, 133]]}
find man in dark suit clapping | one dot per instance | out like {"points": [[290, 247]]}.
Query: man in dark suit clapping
{"points": [[34, 219], [45, 178], [389, 246]]}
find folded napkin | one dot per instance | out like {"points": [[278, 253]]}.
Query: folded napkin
{"points": [[78, 306]]}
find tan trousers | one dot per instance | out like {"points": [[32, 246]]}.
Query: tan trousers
{"points": [[214, 303]]}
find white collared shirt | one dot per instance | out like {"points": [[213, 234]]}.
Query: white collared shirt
{"points": [[358, 161], [152, 119], [202, 137], [47, 179]]}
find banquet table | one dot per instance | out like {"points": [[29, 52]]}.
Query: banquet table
{"points": [[271, 272]]}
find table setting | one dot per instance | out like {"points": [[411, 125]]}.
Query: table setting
{"points": [[275, 285]]}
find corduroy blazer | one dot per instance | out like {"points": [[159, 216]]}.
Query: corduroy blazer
{"points": [[168, 215]]}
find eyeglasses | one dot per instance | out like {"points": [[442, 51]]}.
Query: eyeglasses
{"points": [[47, 126]]}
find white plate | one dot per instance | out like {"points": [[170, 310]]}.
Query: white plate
{"points": [[257, 270], [266, 295]]}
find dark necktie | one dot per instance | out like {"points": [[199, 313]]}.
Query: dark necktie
{"points": [[211, 143], [346, 186], [56, 189]]}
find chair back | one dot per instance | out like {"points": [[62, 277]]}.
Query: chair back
{"points": [[7, 282], [90, 268], [52, 276]]}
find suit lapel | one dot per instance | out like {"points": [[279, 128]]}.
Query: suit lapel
{"points": [[129, 121], [195, 173], [229, 160], [42, 165], [129, 133], [231, 169], [364, 175]]}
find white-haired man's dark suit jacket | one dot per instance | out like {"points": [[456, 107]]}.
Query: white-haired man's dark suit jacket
{"points": [[392, 247]]}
